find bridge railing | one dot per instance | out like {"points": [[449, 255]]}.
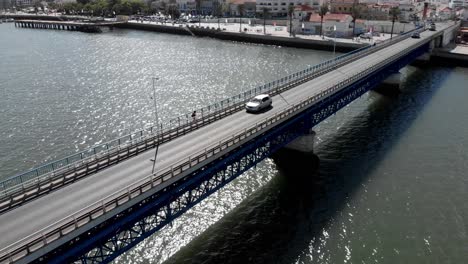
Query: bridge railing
{"points": [[136, 191], [182, 124]]}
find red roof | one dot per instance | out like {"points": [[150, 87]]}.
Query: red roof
{"points": [[447, 9], [303, 8], [344, 1], [241, 2], [330, 17]]}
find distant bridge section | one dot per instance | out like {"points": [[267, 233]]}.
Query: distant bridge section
{"points": [[84, 26]]}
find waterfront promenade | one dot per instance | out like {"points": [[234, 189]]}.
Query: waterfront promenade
{"points": [[270, 30]]}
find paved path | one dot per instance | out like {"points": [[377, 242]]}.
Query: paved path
{"points": [[276, 31]]}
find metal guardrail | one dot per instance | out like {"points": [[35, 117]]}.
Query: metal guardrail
{"points": [[134, 191], [51, 176]]}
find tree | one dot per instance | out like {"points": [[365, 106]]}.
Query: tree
{"points": [[356, 11], [173, 10], [218, 11], [99, 7], [290, 14], [265, 12], [83, 2], [225, 9], [322, 12], [198, 7], [53, 5], [394, 13], [136, 6], [241, 9]]}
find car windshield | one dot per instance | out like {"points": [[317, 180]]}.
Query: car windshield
{"points": [[256, 100]]}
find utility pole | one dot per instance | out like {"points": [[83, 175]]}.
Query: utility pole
{"points": [[157, 123], [334, 42]]}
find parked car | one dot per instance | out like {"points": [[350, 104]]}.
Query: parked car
{"points": [[258, 103], [416, 35], [366, 36], [432, 27]]}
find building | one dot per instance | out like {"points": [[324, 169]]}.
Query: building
{"points": [[303, 12], [458, 3], [24, 3], [342, 6], [279, 8], [248, 7], [446, 13], [207, 7], [343, 23], [376, 11], [5, 4], [408, 11], [186, 6]]}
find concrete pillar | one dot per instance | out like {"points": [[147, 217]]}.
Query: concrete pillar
{"points": [[424, 58], [298, 156], [391, 85], [303, 143]]}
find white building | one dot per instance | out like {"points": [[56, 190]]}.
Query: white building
{"points": [[24, 3], [341, 22], [279, 8], [458, 3], [207, 7], [4, 4], [187, 6], [64, 1]]}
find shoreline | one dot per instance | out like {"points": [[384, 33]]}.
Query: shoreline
{"points": [[293, 42], [194, 30]]}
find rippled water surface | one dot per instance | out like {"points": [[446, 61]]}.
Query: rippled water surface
{"points": [[392, 182], [64, 91]]}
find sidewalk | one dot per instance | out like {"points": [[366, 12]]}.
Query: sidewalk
{"points": [[276, 31]]}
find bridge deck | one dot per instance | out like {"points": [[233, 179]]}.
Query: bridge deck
{"points": [[35, 215], [71, 23]]}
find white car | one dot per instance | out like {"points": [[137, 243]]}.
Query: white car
{"points": [[258, 103]]}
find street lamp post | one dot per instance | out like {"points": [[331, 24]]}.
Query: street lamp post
{"points": [[157, 122], [334, 42]]}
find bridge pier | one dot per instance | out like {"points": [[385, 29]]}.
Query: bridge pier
{"points": [[391, 85], [304, 144], [298, 156]]}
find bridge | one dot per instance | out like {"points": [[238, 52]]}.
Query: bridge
{"points": [[94, 205], [84, 26]]}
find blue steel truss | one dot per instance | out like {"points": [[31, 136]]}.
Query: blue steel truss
{"points": [[105, 242]]}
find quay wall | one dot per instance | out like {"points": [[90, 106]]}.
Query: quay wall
{"points": [[243, 37], [449, 59]]}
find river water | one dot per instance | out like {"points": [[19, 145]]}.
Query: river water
{"points": [[391, 186]]}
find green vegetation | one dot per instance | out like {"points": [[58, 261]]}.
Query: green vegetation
{"points": [[290, 14], [356, 11], [394, 13], [104, 7], [240, 9], [322, 12], [265, 12]]}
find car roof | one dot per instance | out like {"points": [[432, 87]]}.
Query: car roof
{"points": [[261, 96]]}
